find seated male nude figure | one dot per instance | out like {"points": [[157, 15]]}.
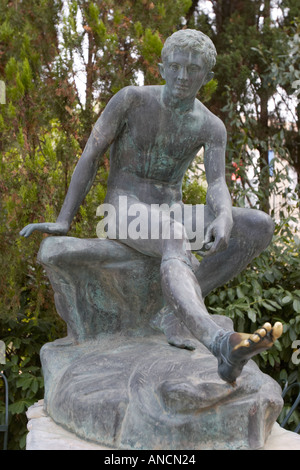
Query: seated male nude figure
{"points": [[154, 133]]}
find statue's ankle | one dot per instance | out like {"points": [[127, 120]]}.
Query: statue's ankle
{"points": [[215, 345]]}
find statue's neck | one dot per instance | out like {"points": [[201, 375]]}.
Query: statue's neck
{"points": [[179, 105]]}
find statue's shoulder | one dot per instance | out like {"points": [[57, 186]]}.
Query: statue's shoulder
{"points": [[130, 98], [214, 123], [134, 94]]}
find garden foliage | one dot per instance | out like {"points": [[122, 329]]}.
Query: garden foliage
{"points": [[47, 118]]}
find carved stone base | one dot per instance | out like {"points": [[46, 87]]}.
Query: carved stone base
{"points": [[117, 382]]}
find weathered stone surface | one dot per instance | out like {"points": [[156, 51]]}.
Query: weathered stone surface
{"points": [[117, 382]]}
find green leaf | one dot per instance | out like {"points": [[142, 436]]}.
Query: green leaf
{"points": [[252, 315], [275, 304], [271, 360], [19, 406], [296, 305], [34, 386], [268, 306], [287, 299], [239, 292], [292, 334], [270, 276]]}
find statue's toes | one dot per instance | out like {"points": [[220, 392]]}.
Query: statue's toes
{"points": [[277, 330], [267, 334]]}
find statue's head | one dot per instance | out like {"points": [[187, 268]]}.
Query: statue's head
{"points": [[187, 59], [193, 40]]}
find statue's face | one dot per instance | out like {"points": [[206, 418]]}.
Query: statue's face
{"points": [[185, 72]]}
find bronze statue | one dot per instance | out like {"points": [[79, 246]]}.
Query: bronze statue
{"points": [[154, 133]]}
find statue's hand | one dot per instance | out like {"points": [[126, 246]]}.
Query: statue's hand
{"points": [[217, 235], [58, 228]]}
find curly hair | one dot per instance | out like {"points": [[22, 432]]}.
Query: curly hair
{"points": [[194, 40]]}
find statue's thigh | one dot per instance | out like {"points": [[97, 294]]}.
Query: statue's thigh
{"points": [[153, 230]]}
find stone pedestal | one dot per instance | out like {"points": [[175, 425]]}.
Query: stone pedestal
{"points": [[116, 382], [45, 434]]}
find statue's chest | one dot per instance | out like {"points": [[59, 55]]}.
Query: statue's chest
{"points": [[162, 133]]}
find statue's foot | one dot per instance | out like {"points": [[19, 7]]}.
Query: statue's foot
{"points": [[175, 331], [233, 350]]}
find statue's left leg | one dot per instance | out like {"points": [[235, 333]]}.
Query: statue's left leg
{"points": [[251, 234]]}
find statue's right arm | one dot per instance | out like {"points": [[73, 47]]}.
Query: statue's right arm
{"points": [[103, 134]]}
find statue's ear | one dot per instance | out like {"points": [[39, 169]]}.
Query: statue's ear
{"points": [[208, 77], [162, 70]]}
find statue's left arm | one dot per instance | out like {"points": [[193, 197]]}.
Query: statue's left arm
{"points": [[218, 198]]}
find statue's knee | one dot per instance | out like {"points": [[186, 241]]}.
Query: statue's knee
{"points": [[266, 229], [255, 228], [261, 229], [49, 248]]}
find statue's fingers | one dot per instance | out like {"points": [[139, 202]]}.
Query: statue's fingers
{"points": [[210, 251], [29, 231], [219, 244], [25, 232], [209, 238]]}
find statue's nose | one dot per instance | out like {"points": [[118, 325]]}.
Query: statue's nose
{"points": [[183, 73]]}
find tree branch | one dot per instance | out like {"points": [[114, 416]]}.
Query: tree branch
{"points": [[191, 12]]}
